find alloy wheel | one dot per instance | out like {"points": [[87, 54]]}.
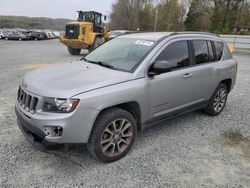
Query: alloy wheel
{"points": [[116, 137], [220, 100]]}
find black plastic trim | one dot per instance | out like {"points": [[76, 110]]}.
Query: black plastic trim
{"points": [[153, 121], [32, 134]]}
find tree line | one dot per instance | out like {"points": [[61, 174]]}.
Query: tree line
{"points": [[33, 23], [221, 16]]}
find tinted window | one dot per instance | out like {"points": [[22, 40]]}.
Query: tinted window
{"points": [[218, 49], [201, 51], [227, 53], [176, 54], [210, 51], [97, 19]]}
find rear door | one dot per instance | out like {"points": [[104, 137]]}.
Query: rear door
{"points": [[204, 69]]}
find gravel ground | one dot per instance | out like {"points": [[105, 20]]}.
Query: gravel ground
{"points": [[194, 150]]}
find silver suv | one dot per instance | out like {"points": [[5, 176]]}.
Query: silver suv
{"points": [[124, 86]]}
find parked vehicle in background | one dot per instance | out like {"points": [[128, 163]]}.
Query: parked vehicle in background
{"points": [[49, 34], [4, 34], [17, 36], [1, 34], [116, 33], [32, 34], [56, 34], [37, 35], [125, 85]]}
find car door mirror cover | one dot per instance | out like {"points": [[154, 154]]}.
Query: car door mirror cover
{"points": [[160, 67]]}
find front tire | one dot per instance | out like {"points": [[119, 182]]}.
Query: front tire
{"points": [[218, 100], [98, 41], [113, 135], [74, 51]]}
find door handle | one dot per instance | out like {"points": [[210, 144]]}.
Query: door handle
{"points": [[187, 75]]}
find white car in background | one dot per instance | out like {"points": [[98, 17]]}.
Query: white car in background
{"points": [[56, 34], [49, 34], [116, 33], [1, 34]]}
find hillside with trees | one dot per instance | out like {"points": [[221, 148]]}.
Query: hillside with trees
{"points": [[221, 16], [33, 23]]}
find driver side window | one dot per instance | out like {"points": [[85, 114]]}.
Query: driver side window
{"points": [[98, 20], [176, 54]]}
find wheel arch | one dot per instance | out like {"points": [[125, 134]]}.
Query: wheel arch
{"points": [[132, 107], [228, 83]]}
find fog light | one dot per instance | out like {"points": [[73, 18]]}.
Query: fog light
{"points": [[53, 131]]}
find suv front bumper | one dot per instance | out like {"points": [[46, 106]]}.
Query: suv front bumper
{"points": [[32, 134], [76, 126]]}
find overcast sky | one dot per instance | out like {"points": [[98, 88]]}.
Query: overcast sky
{"points": [[53, 8]]}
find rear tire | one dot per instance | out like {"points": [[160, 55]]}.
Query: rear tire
{"points": [[74, 51], [113, 135], [98, 41], [218, 100]]}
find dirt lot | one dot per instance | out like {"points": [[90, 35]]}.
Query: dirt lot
{"points": [[192, 151]]}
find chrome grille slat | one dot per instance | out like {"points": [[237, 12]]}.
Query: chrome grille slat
{"points": [[34, 104], [31, 103], [19, 94], [24, 98], [27, 101]]}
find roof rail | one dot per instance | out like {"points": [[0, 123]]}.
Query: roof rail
{"points": [[194, 32]]}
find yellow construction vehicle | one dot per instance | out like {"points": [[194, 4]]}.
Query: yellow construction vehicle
{"points": [[88, 32], [231, 48]]}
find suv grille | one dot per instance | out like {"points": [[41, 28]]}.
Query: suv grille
{"points": [[72, 31], [26, 101]]}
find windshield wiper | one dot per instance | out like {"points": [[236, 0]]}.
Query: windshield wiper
{"points": [[103, 64], [99, 63], [84, 59]]}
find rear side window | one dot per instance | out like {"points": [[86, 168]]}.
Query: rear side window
{"points": [[227, 54], [201, 51], [176, 54], [218, 49], [210, 51]]}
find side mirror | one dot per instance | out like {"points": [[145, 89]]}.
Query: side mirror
{"points": [[160, 67], [105, 18]]}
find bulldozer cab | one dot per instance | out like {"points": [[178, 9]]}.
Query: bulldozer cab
{"points": [[94, 17]]}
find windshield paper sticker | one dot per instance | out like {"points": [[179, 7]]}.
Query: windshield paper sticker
{"points": [[143, 42]]}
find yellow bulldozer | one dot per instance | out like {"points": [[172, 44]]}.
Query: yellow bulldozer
{"points": [[88, 32]]}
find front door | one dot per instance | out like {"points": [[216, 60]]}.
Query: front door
{"points": [[172, 91]]}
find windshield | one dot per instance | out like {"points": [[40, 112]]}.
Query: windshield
{"points": [[121, 53]]}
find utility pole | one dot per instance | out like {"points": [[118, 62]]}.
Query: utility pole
{"points": [[156, 15], [156, 18]]}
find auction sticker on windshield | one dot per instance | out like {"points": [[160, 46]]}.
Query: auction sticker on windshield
{"points": [[144, 42]]}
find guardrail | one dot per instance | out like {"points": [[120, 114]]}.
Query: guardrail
{"points": [[241, 43]]}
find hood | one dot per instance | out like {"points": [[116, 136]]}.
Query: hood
{"points": [[69, 79]]}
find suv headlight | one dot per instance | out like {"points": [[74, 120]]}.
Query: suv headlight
{"points": [[59, 105]]}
